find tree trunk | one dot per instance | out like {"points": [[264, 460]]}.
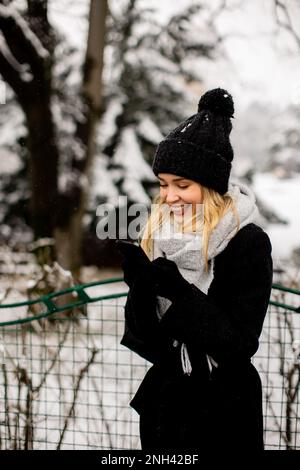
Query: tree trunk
{"points": [[43, 168], [34, 96], [69, 237]]}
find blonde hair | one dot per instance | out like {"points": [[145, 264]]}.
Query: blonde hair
{"points": [[215, 206]]}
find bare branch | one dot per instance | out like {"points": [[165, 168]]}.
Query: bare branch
{"points": [[54, 359], [105, 422], [223, 6], [277, 423], [279, 6], [25, 46], [6, 386], [11, 74], [82, 372]]}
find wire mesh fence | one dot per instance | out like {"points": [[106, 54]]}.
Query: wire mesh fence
{"points": [[278, 362], [66, 382]]}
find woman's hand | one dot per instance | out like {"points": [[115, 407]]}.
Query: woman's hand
{"points": [[135, 261], [131, 272], [140, 308], [169, 282]]}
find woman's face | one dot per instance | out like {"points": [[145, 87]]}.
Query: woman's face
{"points": [[178, 192]]}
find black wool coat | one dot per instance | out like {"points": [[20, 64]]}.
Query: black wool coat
{"points": [[221, 409]]}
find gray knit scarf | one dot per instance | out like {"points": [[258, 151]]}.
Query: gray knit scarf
{"points": [[186, 251]]}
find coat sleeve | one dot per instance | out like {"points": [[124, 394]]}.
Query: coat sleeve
{"points": [[142, 333], [228, 325]]}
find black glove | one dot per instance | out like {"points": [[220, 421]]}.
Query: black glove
{"points": [[140, 308], [135, 261], [169, 282], [131, 272]]}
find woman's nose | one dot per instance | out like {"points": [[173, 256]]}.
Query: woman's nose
{"points": [[171, 197]]}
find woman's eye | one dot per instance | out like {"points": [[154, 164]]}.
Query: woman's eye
{"points": [[165, 186]]}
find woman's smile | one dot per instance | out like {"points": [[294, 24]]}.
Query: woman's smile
{"points": [[177, 210]]}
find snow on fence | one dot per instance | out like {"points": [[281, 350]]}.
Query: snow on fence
{"points": [[66, 382]]}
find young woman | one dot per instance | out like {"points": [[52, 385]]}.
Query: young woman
{"points": [[196, 310]]}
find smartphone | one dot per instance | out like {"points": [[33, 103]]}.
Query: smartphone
{"points": [[134, 253]]}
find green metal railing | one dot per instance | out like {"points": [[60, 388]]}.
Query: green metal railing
{"points": [[66, 382], [50, 306], [282, 305]]}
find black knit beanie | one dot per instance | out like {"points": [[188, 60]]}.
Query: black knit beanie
{"points": [[199, 148]]}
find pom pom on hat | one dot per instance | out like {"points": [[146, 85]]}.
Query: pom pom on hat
{"points": [[217, 101]]}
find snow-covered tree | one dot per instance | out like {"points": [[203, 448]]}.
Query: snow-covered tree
{"points": [[27, 55], [149, 78], [284, 143]]}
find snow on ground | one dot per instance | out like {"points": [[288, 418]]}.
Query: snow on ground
{"points": [[282, 195]]}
